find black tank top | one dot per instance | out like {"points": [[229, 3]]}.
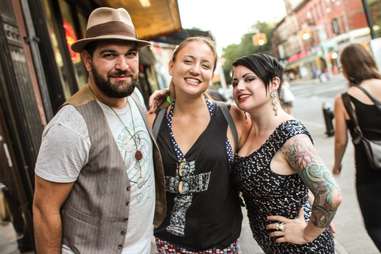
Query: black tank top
{"points": [[205, 211], [369, 118]]}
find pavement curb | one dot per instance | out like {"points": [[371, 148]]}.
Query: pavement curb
{"points": [[339, 249]]}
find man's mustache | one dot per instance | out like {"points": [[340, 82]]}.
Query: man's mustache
{"points": [[118, 74]]}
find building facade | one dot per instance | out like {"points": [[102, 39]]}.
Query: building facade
{"points": [[324, 28]]}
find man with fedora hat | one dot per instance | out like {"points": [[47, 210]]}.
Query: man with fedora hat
{"points": [[99, 184]]}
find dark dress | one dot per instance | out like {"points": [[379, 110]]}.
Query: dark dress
{"points": [[268, 193], [368, 181]]}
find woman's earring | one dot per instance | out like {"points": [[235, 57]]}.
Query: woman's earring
{"points": [[273, 95]]}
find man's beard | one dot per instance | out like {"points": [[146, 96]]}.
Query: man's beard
{"points": [[114, 90]]}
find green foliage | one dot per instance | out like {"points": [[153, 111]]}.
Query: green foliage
{"points": [[246, 47]]}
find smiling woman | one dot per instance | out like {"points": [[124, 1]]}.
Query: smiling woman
{"points": [[278, 165], [197, 145]]}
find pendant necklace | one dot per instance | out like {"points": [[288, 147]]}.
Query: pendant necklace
{"points": [[138, 154]]}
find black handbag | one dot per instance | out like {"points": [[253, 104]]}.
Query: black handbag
{"points": [[372, 147]]}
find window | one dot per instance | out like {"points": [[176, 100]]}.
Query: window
{"points": [[335, 26], [57, 52], [71, 36]]}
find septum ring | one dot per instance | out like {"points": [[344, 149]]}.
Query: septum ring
{"points": [[279, 227]]}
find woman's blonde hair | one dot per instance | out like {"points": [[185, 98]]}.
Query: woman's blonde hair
{"points": [[175, 52], [205, 40]]}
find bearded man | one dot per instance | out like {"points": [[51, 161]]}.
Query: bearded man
{"points": [[99, 183]]}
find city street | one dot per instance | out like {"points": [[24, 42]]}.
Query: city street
{"points": [[350, 233]]}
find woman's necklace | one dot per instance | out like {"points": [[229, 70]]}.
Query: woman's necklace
{"points": [[138, 153]]}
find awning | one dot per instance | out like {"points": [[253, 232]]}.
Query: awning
{"points": [[297, 56], [301, 59], [152, 18]]}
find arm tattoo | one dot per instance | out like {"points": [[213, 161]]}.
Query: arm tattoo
{"points": [[303, 158]]}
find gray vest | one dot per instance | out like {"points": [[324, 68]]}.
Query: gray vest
{"points": [[95, 215]]}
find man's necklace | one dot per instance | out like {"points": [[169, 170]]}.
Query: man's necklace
{"points": [[138, 153]]}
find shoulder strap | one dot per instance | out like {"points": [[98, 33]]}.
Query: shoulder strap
{"points": [[136, 99], [157, 123], [374, 100], [225, 111], [350, 108]]}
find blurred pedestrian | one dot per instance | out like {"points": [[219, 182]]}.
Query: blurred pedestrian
{"points": [[286, 97], [95, 178], [278, 165], [364, 92], [197, 138]]}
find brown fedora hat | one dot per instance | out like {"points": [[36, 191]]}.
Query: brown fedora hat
{"points": [[109, 24]]}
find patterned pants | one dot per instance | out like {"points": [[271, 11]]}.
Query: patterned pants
{"points": [[164, 247]]}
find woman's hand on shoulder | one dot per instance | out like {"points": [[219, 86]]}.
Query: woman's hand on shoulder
{"points": [[243, 123], [156, 99]]}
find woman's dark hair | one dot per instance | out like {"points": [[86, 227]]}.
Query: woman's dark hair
{"points": [[358, 64], [264, 66], [205, 40]]}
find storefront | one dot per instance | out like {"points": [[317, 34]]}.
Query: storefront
{"points": [[38, 72], [303, 65], [22, 117]]}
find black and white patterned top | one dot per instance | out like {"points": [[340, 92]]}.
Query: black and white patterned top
{"points": [[268, 193]]}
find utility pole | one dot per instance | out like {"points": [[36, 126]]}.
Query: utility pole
{"points": [[368, 18]]}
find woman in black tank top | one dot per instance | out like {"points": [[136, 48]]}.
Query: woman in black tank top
{"points": [[360, 70], [197, 148]]}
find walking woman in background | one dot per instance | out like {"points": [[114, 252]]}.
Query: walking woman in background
{"points": [[197, 146], [277, 166], [364, 92]]}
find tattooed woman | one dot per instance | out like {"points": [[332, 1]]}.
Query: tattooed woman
{"points": [[278, 165]]}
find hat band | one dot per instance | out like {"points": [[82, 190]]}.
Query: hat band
{"points": [[110, 28]]}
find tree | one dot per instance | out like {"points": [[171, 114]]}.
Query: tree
{"points": [[246, 46]]}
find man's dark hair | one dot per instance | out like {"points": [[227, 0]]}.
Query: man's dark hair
{"points": [[90, 47]]}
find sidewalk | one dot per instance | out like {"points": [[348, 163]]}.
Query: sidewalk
{"points": [[333, 79]]}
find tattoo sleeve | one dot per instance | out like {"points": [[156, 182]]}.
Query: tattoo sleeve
{"points": [[303, 158]]}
